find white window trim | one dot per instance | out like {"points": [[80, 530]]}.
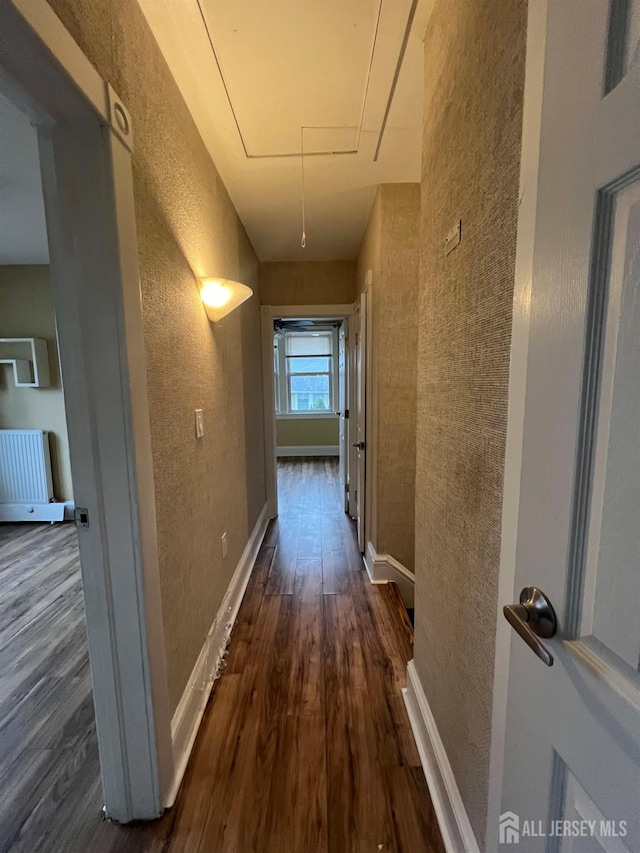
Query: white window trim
{"points": [[281, 384], [300, 416]]}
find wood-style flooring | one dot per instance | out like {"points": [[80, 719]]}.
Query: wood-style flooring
{"points": [[48, 748], [305, 746]]}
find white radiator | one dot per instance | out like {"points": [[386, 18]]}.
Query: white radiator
{"points": [[26, 487]]}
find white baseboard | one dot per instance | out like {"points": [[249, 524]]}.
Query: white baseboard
{"points": [[383, 568], [188, 715], [453, 820], [309, 450], [32, 512]]}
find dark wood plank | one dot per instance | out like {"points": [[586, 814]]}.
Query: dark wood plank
{"points": [[310, 538], [239, 808], [335, 572], [297, 815], [305, 744], [415, 824], [306, 681], [295, 475], [384, 671], [283, 567], [244, 629], [391, 593], [358, 811]]}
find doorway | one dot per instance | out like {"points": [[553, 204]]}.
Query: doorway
{"points": [[308, 363], [47, 720], [84, 144], [311, 384]]}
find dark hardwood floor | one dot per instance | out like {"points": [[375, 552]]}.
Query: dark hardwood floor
{"points": [[305, 746]]}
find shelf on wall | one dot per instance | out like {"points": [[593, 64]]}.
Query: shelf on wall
{"points": [[29, 359]]}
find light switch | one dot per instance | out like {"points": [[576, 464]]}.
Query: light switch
{"points": [[199, 423]]}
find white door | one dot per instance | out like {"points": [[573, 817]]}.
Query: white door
{"points": [[572, 747], [343, 404], [360, 445], [352, 422]]}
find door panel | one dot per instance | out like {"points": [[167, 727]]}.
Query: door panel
{"points": [[624, 40], [580, 807], [612, 581], [352, 424], [361, 381], [573, 730]]}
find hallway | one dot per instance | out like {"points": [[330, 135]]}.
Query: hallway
{"points": [[306, 745]]}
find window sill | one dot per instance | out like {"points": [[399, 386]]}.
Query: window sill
{"points": [[301, 416]]}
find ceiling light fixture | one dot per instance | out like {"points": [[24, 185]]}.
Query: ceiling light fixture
{"points": [[221, 296]]}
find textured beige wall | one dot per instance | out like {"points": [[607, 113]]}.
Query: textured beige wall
{"points": [[186, 224], [26, 311], [307, 283], [474, 75], [390, 249], [303, 432]]}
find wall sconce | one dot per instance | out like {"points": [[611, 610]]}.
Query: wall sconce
{"points": [[221, 296]]}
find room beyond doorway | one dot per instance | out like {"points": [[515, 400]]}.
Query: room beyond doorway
{"points": [[310, 386], [310, 380], [49, 763]]}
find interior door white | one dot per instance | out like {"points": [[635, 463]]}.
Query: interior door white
{"points": [[343, 404], [572, 746], [352, 398], [360, 443]]}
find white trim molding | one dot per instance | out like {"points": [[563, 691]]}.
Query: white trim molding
{"points": [[524, 274], [188, 715], [308, 450], [44, 22], [307, 416], [383, 568], [52, 512], [453, 820]]}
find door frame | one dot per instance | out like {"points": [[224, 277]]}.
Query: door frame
{"points": [[85, 141], [344, 402], [370, 528], [363, 507], [268, 314], [525, 243]]}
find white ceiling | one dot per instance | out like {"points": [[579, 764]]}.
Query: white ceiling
{"points": [[23, 232], [254, 72]]}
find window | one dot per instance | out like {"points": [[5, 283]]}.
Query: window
{"points": [[304, 365]]}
